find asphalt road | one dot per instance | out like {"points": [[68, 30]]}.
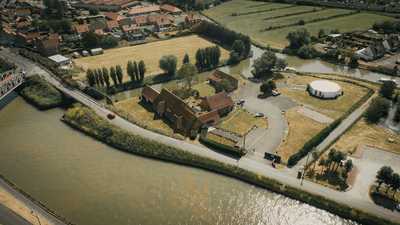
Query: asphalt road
{"points": [[8, 217], [285, 176]]}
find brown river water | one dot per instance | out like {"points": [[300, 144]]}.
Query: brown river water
{"points": [[90, 183]]}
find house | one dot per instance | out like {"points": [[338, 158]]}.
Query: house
{"points": [[112, 25], [113, 16], [80, 28], [149, 94], [220, 102], [144, 10], [133, 28], [48, 45], [170, 9], [60, 60], [141, 20], [177, 112], [192, 19], [162, 22], [218, 78]]}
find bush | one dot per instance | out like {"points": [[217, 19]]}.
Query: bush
{"points": [[378, 109], [307, 52], [41, 94]]}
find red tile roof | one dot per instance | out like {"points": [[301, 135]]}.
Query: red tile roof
{"points": [[149, 93], [144, 10], [219, 101], [170, 8], [112, 24], [83, 28]]}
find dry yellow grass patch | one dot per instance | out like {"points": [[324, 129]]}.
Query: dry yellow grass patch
{"points": [[241, 121], [301, 129], [204, 89], [369, 134], [141, 115], [150, 53], [333, 108]]}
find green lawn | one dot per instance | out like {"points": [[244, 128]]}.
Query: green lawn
{"points": [[253, 24]]}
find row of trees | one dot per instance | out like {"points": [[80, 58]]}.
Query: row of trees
{"points": [[136, 70], [207, 58], [387, 176], [101, 77], [92, 40], [223, 35]]}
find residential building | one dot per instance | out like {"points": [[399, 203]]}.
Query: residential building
{"points": [[144, 10], [217, 79], [60, 60], [48, 45], [220, 102], [170, 9]]}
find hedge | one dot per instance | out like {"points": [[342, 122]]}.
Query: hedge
{"points": [[226, 148], [87, 121]]}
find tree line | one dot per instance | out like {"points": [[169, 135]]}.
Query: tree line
{"points": [[207, 58], [222, 35], [380, 105], [102, 77]]}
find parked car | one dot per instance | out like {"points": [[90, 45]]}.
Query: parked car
{"points": [[259, 115], [110, 116], [275, 93], [398, 207], [383, 80], [241, 102]]}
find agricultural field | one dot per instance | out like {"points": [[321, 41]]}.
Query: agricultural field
{"points": [[150, 53], [252, 18]]}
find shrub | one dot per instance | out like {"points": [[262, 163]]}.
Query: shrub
{"points": [[378, 109]]}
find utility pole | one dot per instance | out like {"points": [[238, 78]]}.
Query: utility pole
{"points": [[304, 170]]}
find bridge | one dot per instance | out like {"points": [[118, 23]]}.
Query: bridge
{"points": [[9, 81]]}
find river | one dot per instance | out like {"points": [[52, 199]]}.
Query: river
{"points": [[301, 65], [92, 184]]}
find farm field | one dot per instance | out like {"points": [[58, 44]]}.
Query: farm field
{"points": [[150, 53], [254, 24]]}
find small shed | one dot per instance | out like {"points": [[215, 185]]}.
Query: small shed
{"points": [[60, 60], [97, 51]]}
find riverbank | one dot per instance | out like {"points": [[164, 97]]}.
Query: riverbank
{"points": [[22, 204], [41, 94], [87, 121]]}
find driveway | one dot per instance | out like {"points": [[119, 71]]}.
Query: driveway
{"points": [[270, 138], [368, 165]]}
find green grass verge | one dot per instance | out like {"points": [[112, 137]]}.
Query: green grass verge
{"points": [[87, 121], [41, 94]]}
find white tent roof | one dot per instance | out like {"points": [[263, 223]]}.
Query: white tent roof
{"points": [[58, 58], [325, 86]]}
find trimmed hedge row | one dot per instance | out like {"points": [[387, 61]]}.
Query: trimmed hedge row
{"points": [[226, 148], [87, 121], [318, 138]]}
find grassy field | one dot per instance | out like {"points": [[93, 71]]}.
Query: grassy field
{"points": [[301, 129], [333, 108], [241, 121], [204, 89], [150, 53], [139, 113], [253, 24], [368, 134]]}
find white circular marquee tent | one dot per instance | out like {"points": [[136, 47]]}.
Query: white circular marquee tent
{"points": [[325, 89]]}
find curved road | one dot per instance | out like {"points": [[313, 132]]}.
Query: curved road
{"points": [[284, 176]]}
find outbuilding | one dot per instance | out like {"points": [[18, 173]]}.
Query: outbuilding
{"points": [[60, 60], [324, 89]]}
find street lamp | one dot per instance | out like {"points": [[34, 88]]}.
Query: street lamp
{"points": [[304, 169]]}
